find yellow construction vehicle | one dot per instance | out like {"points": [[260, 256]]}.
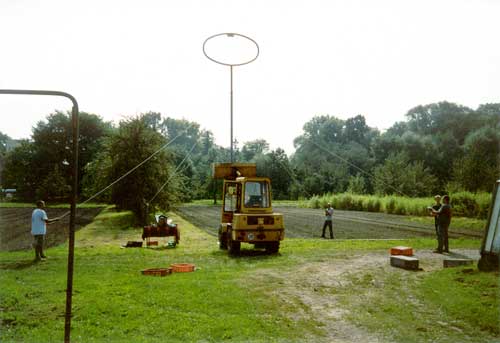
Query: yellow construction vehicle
{"points": [[247, 214]]}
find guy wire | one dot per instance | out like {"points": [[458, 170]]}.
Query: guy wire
{"points": [[130, 171]]}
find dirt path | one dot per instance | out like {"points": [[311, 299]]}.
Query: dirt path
{"points": [[309, 288]]}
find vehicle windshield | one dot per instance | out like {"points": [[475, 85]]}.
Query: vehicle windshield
{"points": [[256, 194]]}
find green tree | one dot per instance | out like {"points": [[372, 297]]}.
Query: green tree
{"points": [[276, 166], [356, 130], [400, 176], [21, 171], [253, 148], [357, 184], [3, 143], [478, 169], [3, 151], [53, 144], [184, 132], [53, 186], [330, 150], [97, 176], [443, 117], [133, 142]]}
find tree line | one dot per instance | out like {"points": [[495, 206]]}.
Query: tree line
{"points": [[440, 147]]}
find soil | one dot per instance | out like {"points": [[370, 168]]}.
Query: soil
{"points": [[315, 300], [307, 223], [15, 226]]}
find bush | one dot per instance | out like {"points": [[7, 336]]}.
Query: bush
{"points": [[346, 202], [464, 204], [390, 205], [373, 205], [400, 208], [313, 202]]}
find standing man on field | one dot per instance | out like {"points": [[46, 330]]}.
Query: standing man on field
{"points": [[328, 220], [436, 207], [39, 220], [444, 220]]}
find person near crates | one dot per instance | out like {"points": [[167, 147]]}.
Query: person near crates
{"points": [[328, 220], [39, 220], [444, 219]]}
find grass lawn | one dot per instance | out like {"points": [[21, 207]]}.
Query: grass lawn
{"points": [[222, 300]]}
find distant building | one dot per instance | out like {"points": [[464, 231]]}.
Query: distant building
{"points": [[9, 192]]}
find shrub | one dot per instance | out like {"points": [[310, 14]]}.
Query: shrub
{"points": [[400, 208], [464, 204], [313, 202], [390, 205], [347, 202]]}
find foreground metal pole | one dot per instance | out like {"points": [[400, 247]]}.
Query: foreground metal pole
{"points": [[74, 189], [71, 248]]}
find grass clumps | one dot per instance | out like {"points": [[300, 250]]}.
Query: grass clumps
{"points": [[465, 204]]}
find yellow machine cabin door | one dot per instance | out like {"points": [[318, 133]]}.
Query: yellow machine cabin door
{"points": [[232, 200]]}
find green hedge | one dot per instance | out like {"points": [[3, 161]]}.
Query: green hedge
{"points": [[464, 204]]}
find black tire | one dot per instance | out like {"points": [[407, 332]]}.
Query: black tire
{"points": [[222, 240], [233, 247], [273, 247]]}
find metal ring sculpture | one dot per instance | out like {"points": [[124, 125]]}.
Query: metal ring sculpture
{"points": [[231, 35]]}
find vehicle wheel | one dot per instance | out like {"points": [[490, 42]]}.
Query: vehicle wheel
{"points": [[233, 247], [273, 247], [222, 240]]}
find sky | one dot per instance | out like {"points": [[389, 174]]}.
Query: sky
{"points": [[120, 58]]}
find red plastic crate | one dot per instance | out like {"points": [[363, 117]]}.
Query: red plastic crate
{"points": [[182, 267], [157, 271], [405, 251]]}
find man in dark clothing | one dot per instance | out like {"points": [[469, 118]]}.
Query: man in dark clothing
{"points": [[328, 220], [436, 207], [444, 220]]}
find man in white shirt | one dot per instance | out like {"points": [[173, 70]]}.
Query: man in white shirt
{"points": [[39, 220]]}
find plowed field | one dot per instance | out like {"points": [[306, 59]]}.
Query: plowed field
{"points": [[15, 226], [307, 223]]}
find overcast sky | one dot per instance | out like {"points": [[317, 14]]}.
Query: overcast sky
{"points": [[342, 58]]}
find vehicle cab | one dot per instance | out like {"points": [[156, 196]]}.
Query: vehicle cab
{"points": [[247, 213]]}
